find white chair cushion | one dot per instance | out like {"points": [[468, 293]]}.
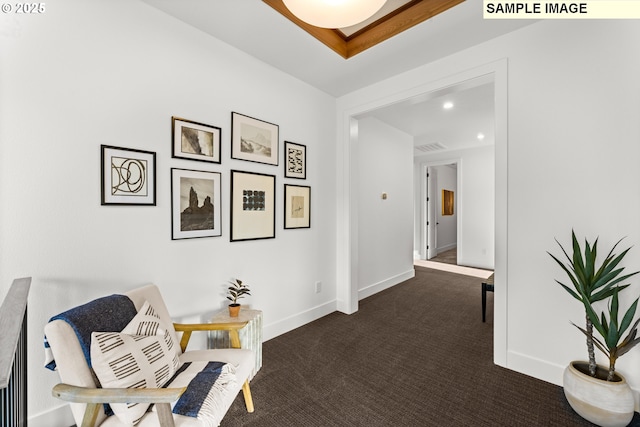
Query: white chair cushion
{"points": [[143, 355]]}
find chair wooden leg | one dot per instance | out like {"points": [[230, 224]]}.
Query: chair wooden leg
{"points": [[91, 414], [248, 400], [164, 415]]}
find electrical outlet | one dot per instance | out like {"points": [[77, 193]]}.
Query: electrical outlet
{"points": [[318, 287]]}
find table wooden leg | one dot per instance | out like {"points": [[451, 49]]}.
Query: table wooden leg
{"points": [[484, 302]]}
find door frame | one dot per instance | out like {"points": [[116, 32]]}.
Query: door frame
{"points": [[424, 210], [348, 109]]}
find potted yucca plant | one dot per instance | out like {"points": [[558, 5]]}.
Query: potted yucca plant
{"points": [[599, 394], [236, 291]]}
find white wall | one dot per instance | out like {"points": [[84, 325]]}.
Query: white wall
{"points": [[581, 91], [114, 72], [572, 149], [385, 157], [86, 74], [447, 225]]}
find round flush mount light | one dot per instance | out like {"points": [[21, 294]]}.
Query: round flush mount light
{"points": [[333, 13], [480, 136], [447, 105]]}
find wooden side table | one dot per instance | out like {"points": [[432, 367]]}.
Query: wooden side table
{"points": [[250, 335]]}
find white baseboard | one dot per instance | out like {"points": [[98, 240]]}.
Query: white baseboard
{"points": [[290, 323], [446, 247], [58, 417], [385, 284], [536, 368]]}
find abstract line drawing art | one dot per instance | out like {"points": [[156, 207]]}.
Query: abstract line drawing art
{"points": [[127, 176]]}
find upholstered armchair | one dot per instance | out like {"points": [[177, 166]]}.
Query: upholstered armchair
{"points": [[120, 364]]}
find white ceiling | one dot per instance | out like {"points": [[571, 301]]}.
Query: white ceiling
{"points": [[436, 128], [255, 28]]}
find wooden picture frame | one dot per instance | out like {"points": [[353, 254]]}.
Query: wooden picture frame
{"points": [[297, 206], [195, 204], [447, 202], [254, 140], [295, 160], [195, 141], [127, 176], [253, 213]]}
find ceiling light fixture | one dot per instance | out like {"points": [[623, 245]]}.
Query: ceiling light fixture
{"points": [[447, 105], [333, 13], [480, 136]]}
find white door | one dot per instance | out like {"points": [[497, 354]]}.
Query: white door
{"points": [[432, 199]]}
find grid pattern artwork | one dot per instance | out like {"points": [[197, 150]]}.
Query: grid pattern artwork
{"points": [[253, 200]]}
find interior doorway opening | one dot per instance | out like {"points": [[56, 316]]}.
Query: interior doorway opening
{"points": [[347, 247], [440, 213]]}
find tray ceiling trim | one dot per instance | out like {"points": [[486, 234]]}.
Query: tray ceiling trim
{"points": [[395, 22]]}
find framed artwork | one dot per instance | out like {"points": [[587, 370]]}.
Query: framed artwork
{"points": [[447, 202], [254, 140], [297, 206], [128, 176], [295, 162], [195, 204], [253, 214], [195, 141]]}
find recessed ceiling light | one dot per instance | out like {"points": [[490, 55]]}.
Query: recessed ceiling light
{"points": [[480, 136], [447, 105]]}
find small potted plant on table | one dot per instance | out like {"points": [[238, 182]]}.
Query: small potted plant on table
{"points": [[236, 291]]}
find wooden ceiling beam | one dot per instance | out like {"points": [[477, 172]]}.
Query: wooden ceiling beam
{"points": [[384, 28]]}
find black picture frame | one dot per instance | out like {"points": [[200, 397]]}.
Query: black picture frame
{"points": [[252, 206], [195, 141], [295, 160], [127, 176], [297, 206], [196, 204], [254, 140]]}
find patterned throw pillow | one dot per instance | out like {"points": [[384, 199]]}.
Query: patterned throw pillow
{"points": [[143, 355]]}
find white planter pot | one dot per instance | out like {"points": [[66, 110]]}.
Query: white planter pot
{"points": [[605, 403]]}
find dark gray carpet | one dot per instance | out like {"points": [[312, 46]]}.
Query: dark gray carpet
{"points": [[417, 354]]}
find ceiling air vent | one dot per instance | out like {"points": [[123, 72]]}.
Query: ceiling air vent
{"points": [[426, 148]]}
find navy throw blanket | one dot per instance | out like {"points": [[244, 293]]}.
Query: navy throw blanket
{"points": [[106, 314], [191, 401]]}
